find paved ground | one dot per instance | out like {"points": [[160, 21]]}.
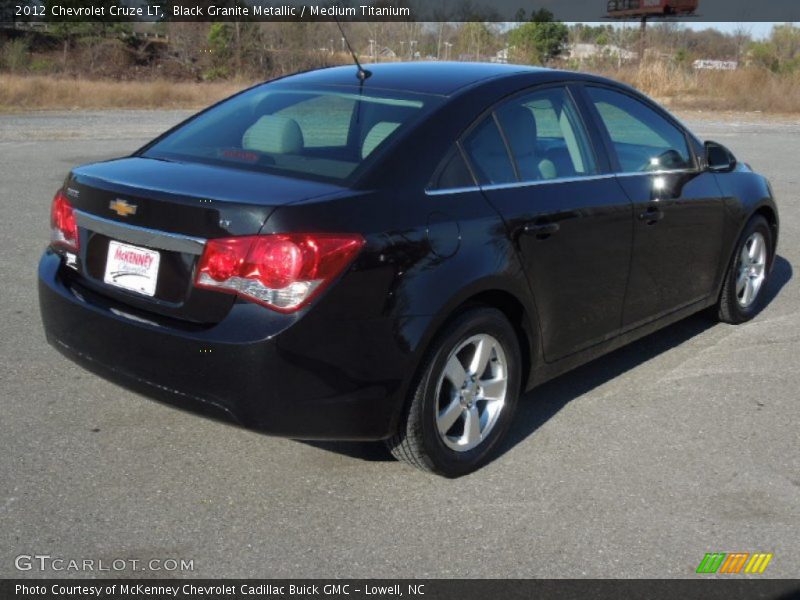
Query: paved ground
{"points": [[633, 466]]}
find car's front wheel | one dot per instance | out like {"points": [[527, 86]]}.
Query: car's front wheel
{"points": [[743, 290], [464, 400]]}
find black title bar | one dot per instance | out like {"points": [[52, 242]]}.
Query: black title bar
{"points": [[398, 10], [422, 589]]}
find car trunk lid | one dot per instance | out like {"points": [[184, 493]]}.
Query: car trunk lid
{"points": [[171, 208]]}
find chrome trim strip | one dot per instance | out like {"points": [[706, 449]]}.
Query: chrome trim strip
{"points": [[458, 190], [662, 172], [134, 234], [520, 184], [538, 182]]}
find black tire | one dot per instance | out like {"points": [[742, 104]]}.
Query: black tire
{"points": [[729, 309], [418, 441]]}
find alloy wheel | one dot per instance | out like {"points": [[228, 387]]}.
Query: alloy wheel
{"points": [[471, 392], [752, 269]]}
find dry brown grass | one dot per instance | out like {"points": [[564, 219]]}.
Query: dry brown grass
{"points": [[37, 92], [742, 90], [750, 89]]}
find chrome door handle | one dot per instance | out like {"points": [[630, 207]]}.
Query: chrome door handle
{"points": [[651, 215], [541, 230]]}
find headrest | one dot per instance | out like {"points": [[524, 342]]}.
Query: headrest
{"points": [[274, 135], [547, 169], [378, 133], [520, 127]]}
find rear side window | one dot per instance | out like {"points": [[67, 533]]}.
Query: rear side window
{"points": [[546, 137], [452, 173], [292, 130], [488, 154], [644, 140]]}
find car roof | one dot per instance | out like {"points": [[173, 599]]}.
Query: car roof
{"points": [[441, 78]]}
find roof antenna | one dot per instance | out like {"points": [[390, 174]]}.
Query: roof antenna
{"points": [[363, 73]]}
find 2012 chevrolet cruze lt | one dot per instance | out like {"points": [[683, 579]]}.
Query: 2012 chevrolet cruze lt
{"points": [[398, 255]]}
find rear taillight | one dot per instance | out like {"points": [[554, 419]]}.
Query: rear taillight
{"points": [[281, 271], [64, 228]]}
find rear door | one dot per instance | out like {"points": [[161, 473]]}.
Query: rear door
{"points": [[569, 218], [677, 206]]}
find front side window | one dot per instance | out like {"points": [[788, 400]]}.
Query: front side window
{"points": [[291, 130], [546, 138], [644, 140]]}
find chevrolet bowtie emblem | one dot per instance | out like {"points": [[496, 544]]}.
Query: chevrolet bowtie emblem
{"points": [[122, 208]]}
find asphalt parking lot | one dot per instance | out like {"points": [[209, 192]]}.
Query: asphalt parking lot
{"points": [[636, 465]]}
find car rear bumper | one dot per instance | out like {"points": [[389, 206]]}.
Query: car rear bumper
{"points": [[303, 378]]}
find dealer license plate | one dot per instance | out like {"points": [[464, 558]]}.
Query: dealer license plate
{"points": [[132, 268]]}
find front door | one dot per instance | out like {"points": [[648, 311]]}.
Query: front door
{"points": [[677, 208]]}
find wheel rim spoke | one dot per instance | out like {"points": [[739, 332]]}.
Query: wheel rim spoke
{"points": [[449, 416], [494, 389], [455, 373], [747, 297], [472, 426], [741, 282], [483, 352], [756, 282], [753, 250], [744, 257]]}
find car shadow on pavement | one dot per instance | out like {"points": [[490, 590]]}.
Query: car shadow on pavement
{"points": [[541, 404], [781, 275]]}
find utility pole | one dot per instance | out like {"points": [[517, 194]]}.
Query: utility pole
{"points": [[624, 11], [642, 38], [447, 46]]}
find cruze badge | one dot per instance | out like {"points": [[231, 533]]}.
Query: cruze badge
{"points": [[122, 208]]}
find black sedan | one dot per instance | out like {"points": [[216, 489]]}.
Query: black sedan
{"points": [[398, 254]]}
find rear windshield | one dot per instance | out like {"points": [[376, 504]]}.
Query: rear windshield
{"points": [[324, 134]]}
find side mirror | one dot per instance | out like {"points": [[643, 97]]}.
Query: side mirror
{"points": [[718, 158]]}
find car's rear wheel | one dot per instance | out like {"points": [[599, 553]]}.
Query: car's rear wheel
{"points": [[464, 399], [743, 290]]}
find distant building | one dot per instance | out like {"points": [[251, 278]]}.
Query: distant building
{"points": [[715, 65], [501, 56], [582, 52], [380, 52]]}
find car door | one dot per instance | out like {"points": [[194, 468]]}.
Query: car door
{"points": [[571, 223], [678, 208]]}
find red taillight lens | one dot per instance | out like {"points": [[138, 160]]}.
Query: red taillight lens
{"points": [[281, 271], [63, 227]]}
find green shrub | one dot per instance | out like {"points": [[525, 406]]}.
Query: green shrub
{"points": [[41, 65], [14, 55], [215, 73]]}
